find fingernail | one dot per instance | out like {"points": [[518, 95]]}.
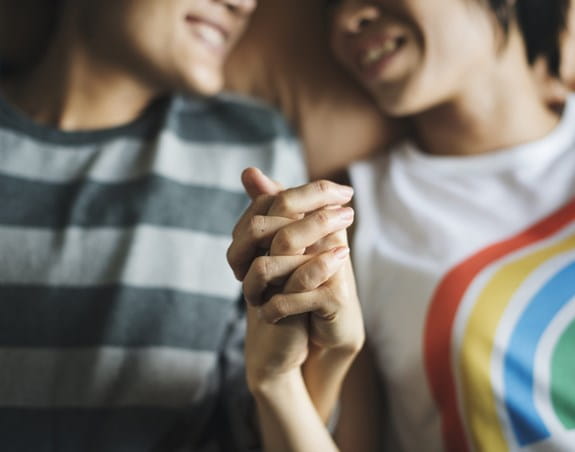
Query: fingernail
{"points": [[341, 253], [346, 214], [345, 191]]}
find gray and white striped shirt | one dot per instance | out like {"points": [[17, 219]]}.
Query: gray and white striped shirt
{"points": [[119, 322]]}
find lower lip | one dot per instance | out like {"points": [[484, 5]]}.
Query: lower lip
{"points": [[377, 69], [191, 21]]}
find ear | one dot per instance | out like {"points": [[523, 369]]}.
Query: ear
{"points": [[553, 91], [257, 183]]}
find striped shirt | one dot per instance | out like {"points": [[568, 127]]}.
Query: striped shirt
{"points": [[119, 321]]}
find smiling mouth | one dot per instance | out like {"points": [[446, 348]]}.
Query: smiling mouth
{"points": [[215, 36], [381, 52]]}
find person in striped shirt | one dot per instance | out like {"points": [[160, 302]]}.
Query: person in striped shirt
{"points": [[120, 327]]}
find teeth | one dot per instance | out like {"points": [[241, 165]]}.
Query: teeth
{"points": [[211, 35], [377, 53]]}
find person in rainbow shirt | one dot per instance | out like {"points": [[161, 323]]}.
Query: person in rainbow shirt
{"points": [[464, 247]]}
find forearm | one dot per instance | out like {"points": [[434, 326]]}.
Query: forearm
{"points": [[324, 373], [288, 419]]}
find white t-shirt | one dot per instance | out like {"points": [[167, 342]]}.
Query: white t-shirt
{"points": [[466, 272]]}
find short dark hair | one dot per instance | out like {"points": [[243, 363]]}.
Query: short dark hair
{"points": [[542, 23]]}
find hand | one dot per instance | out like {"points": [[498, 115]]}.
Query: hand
{"points": [[321, 283], [273, 208], [273, 351]]}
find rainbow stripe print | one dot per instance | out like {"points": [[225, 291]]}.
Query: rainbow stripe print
{"points": [[499, 343]]}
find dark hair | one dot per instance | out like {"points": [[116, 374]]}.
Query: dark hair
{"points": [[26, 27], [541, 22]]}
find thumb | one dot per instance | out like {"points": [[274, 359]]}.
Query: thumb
{"points": [[257, 183]]}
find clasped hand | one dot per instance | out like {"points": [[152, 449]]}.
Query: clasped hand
{"points": [[290, 249]]}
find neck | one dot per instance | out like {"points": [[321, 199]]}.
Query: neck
{"points": [[70, 89], [497, 110]]}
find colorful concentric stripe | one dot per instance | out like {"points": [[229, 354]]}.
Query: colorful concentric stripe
{"points": [[482, 325], [562, 371]]}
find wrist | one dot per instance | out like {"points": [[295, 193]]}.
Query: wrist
{"points": [[330, 363], [344, 351], [266, 386]]}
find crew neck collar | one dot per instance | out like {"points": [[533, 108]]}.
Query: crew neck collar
{"points": [[534, 152]]}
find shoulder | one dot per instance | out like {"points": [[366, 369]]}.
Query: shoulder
{"points": [[230, 118], [249, 131]]}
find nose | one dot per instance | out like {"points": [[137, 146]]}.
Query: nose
{"points": [[244, 7], [354, 17]]}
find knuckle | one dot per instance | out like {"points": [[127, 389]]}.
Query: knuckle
{"points": [[261, 268], [322, 186], [278, 307], [283, 203], [323, 217], [323, 266], [302, 281], [257, 226], [283, 241]]}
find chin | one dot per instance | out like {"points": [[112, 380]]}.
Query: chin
{"points": [[395, 107], [400, 104], [204, 81], [207, 89]]}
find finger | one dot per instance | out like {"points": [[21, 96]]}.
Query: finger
{"points": [[285, 305], [257, 183], [307, 198], [295, 237], [334, 240], [259, 206], [267, 271], [255, 319], [316, 271], [248, 243], [238, 261]]}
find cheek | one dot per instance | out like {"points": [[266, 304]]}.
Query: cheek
{"points": [[196, 70], [452, 57], [182, 62], [428, 82], [334, 41]]}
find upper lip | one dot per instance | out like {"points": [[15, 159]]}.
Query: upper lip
{"points": [[362, 48], [225, 31]]}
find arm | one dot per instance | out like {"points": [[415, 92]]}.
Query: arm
{"points": [[289, 421], [287, 417], [362, 404], [324, 372], [317, 288]]}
